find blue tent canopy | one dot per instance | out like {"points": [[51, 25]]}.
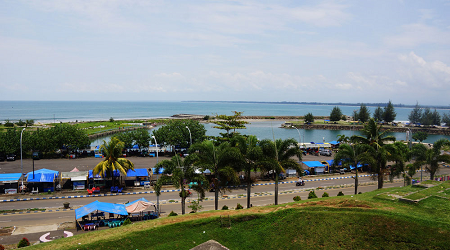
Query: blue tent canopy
{"points": [[359, 166], [10, 177], [334, 142], [137, 172], [44, 171], [116, 173], [41, 177], [313, 164], [101, 206], [330, 162]]}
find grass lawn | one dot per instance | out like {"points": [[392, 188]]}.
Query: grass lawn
{"points": [[373, 220]]}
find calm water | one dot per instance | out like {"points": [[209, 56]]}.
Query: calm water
{"points": [[263, 130], [42, 111]]}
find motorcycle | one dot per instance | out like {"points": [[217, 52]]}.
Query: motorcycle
{"points": [[300, 183]]}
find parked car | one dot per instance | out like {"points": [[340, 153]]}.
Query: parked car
{"points": [[11, 157], [326, 152], [36, 155]]}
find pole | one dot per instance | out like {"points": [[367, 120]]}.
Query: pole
{"points": [[157, 160], [299, 136], [190, 136], [21, 162]]}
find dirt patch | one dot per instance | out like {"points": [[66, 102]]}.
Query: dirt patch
{"points": [[6, 231]]}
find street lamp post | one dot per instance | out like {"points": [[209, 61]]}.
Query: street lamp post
{"points": [[157, 160], [299, 136], [21, 162], [190, 136]]}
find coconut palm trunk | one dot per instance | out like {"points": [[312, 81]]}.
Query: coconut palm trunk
{"points": [[249, 188], [276, 189]]}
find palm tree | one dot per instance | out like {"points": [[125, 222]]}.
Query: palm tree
{"points": [[251, 154], [180, 173], [399, 153], [430, 157], [373, 136], [353, 155], [220, 160], [278, 155], [112, 153]]}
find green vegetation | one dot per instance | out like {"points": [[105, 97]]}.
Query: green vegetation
{"points": [[336, 114], [308, 118], [373, 220]]}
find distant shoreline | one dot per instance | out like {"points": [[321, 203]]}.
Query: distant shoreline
{"points": [[381, 104]]}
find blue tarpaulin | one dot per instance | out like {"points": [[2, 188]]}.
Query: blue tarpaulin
{"points": [[116, 173], [161, 170], [41, 177], [352, 167], [45, 171], [10, 177], [137, 172], [100, 206], [334, 142], [330, 162], [313, 164]]}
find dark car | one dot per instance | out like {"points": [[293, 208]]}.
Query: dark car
{"points": [[11, 157], [36, 155]]}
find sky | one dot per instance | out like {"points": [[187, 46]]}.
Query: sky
{"points": [[297, 51]]}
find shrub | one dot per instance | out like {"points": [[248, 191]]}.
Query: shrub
{"points": [[195, 206], [325, 194], [340, 193], [20, 123], [312, 195], [173, 214], [359, 192], [297, 198], [206, 117], [2, 247], [9, 124], [23, 243], [239, 206], [111, 119], [225, 207], [127, 222]]}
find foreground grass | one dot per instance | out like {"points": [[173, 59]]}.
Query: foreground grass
{"points": [[374, 220]]}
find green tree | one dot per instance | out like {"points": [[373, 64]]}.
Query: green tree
{"points": [[112, 152], [175, 133], [126, 138], [309, 118], [20, 123], [415, 115], [364, 113], [141, 137], [221, 160], [373, 136], [278, 155], [352, 155], [436, 118], [181, 173], [230, 123], [431, 157], [251, 154], [420, 136], [355, 115], [29, 122], [427, 117], [389, 113], [446, 119], [8, 123], [336, 114], [69, 137], [399, 153], [378, 114]]}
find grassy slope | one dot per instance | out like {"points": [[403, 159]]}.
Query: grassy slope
{"points": [[372, 220]]}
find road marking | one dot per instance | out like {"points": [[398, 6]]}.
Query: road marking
{"points": [[5, 220]]}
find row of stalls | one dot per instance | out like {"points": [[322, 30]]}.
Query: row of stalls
{"points": [[47, 180], [103, 214], [322, 167]]}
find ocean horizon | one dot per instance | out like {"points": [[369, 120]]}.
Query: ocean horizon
{"points": [[71, 111]]}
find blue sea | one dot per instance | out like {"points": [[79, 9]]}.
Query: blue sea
{"points": [[71, 111]]}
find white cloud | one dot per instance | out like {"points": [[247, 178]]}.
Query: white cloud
{"points": [[417, 34], [422, 74]]}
